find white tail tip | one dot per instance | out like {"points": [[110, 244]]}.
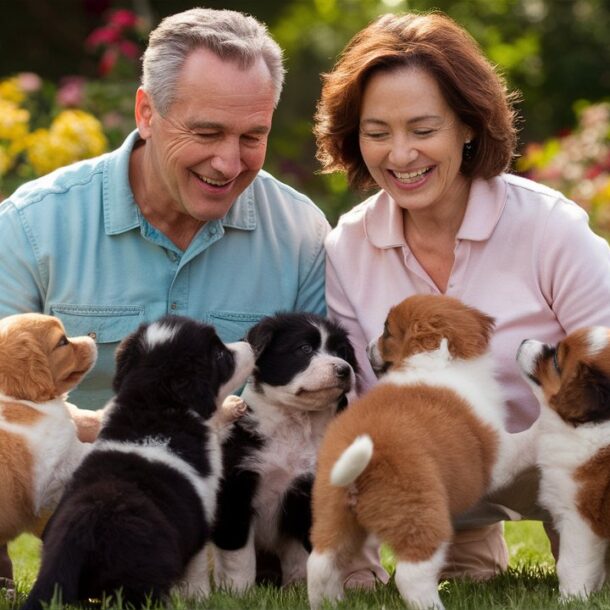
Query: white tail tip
{"points": [[352, 461]]}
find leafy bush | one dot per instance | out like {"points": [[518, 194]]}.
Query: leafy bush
{"points": [[37, 135], [44, 126], [577, 163]]}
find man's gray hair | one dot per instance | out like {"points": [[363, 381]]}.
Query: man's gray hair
{"points": [[229, 34]]}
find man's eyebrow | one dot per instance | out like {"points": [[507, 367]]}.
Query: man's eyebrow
{"points": [[198, 125]]}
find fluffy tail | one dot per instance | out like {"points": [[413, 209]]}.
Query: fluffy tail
{"points": [[352, 461]]}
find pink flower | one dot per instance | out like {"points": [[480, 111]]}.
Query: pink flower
{"points": [[108, 61], [123, 18], [102, 36], [71, 92], [29, 82], [129, 49]]}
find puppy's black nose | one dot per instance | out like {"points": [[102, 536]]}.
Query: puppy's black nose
{"points": [[342, 370]]}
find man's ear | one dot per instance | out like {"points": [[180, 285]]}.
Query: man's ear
{"points": [[143, 113]]}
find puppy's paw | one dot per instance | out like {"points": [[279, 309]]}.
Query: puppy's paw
{"points": [[232, 408], [88, 423]]}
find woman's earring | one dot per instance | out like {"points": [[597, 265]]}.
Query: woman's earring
{"points": [[468, 151]]}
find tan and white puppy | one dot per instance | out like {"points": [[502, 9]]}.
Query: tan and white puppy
{"points": [[572, 384], [39, 448], [425, 444]]}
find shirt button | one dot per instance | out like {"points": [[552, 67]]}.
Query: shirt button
{"points": [[174, 305], [212, 230], [92, 334]]}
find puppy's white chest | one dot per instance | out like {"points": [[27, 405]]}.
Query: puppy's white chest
{"points": [[290, 451]]}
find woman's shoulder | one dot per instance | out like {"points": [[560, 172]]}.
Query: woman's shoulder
{"points": [[351, 224], [525, 187]]}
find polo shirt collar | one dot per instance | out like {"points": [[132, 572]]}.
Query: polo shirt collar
{"points": [[121, 212], [383, 224]]}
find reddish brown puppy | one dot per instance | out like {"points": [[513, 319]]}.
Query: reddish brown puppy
{"points": [[39, 448], [422, 446], [572, 383]]}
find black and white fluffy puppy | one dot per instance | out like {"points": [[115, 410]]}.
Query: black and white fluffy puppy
{"points": [[305, 366], [140, 507]]}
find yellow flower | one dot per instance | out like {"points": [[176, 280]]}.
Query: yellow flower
{"points": [[13, 121], [11, 91], [72, 136]]}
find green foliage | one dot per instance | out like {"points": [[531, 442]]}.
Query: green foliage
{"points": [[554, 51], [577, 163]]}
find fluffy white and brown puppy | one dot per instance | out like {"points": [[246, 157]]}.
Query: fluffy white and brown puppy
{"points": [[572, 383], [39, 448], [425, 444]]}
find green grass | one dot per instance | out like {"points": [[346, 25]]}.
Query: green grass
{"points": [[529, 584]]}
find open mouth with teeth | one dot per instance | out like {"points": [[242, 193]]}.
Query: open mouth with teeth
{"points": [[412, 177], [209, 182]]}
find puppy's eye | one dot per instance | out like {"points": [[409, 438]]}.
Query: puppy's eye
{"points": [[306, 348], [62, 342], [386, 330]]}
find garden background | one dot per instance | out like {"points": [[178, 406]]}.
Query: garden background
{"points": [[69, 70]]}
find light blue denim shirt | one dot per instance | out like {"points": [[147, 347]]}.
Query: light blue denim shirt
{"points": [[74, 244]]}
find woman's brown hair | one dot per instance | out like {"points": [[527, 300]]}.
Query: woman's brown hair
{"points": [[435, 43]]}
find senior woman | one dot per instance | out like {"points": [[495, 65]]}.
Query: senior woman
{"points": [[414, 109]]}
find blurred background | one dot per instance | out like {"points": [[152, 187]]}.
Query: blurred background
{"points": [[69, 70]]}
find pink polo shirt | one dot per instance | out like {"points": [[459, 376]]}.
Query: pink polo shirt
{"points": [[524, 254]]}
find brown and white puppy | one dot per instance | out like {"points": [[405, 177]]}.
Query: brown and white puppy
{"points": [[39, 448], [572, 384], [425, 444]]}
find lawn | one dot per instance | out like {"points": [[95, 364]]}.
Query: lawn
{"points": [[530, 584]]}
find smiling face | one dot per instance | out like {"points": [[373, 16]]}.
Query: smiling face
{"points": [[411, 141], [210, 144]]}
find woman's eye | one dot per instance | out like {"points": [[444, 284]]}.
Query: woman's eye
{"points": [[375, 135]]}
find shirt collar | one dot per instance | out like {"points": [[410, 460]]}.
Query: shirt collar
{"points": [[120, 207], [383, 224]]}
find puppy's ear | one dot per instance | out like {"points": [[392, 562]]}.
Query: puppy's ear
{"points": [[260, 335], [127, 355], [470, 334], [585, 397], [24, 368]]}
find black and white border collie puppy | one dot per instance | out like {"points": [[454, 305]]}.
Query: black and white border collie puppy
{"points": [[140, 507], [305, 366]]}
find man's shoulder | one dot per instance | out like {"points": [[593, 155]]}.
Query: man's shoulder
{"points": [[59, 184]]}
